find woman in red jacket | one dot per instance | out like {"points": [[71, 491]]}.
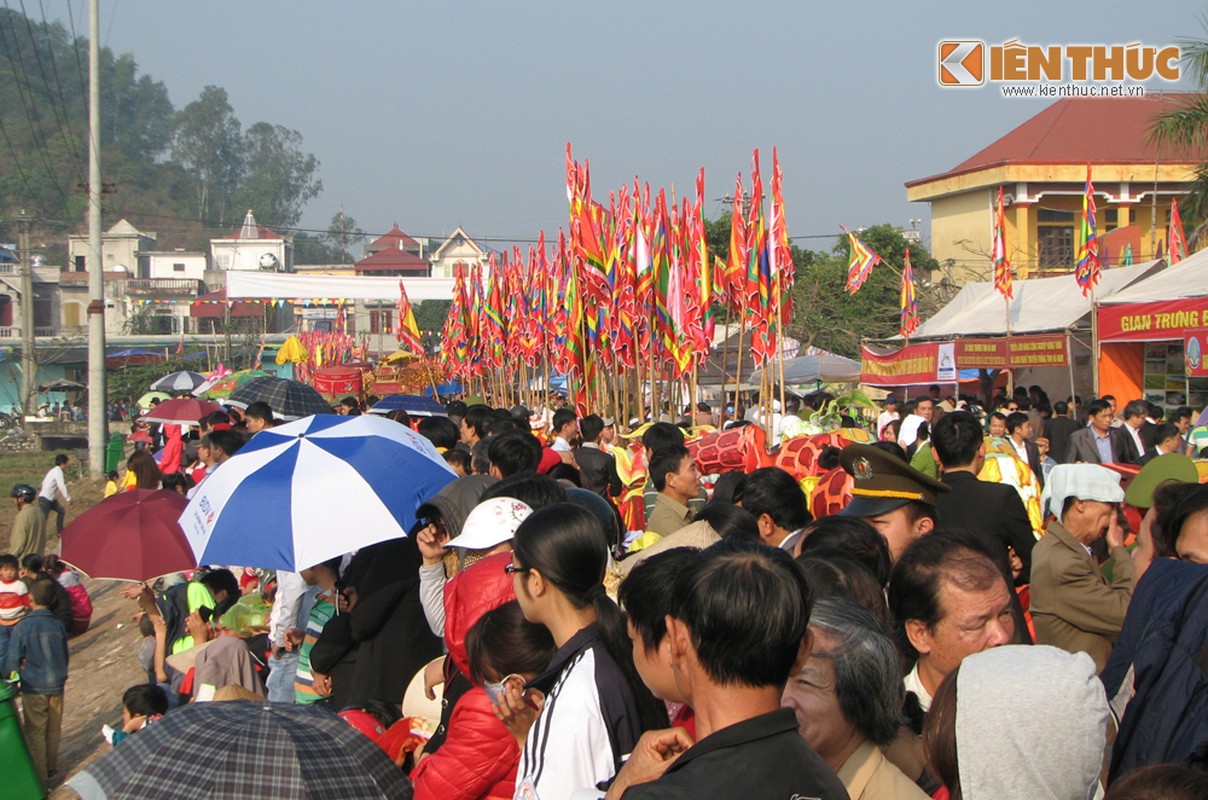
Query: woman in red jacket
{"points": [[479, 757]]}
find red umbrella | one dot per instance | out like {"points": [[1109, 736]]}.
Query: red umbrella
{"points": [[131, 536], [180, 411]]}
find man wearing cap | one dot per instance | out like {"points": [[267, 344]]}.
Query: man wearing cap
{"points": [[29, 527], [1074, 605], [888, 415], [896, 499]]}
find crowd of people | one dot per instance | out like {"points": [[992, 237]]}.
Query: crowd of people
{"points": [[926, 637]]}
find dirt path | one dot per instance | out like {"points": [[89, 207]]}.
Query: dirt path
{"points": [[104, 659]]}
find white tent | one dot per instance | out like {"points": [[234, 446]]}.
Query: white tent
{"points": [[1186, 279], [827, 368], [1039, 305], [290, 286]]}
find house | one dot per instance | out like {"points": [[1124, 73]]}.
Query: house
{"points": [[178, 263], [1042, 168], [124, 248], [252, 247], [457, 253], [394, 254], [396, 239]]}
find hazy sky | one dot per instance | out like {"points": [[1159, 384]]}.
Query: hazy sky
{"points": [[437, 114]]}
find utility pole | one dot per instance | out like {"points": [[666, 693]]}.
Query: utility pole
{"points": [[98, 422], [29, 363]]}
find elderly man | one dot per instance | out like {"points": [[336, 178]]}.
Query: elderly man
{"points": [[1074, 605], [949, 600], [846, 695]]}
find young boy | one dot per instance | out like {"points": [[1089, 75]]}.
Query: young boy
{"points": [[14, 603], [38, 652], [142, 704], [309, 687]]}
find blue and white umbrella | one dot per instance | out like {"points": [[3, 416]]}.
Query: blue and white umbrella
{"points": [[414, 404], [301, 493]]}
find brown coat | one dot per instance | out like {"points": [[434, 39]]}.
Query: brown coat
{"points": [[1074, 606]]}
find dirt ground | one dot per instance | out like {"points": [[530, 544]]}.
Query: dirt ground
{"points": [[104, 660]]}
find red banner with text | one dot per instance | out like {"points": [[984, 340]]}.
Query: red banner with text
{"points": [[940, 362], [1151, 322], [1046, 350]]}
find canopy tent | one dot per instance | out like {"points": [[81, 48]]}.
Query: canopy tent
{"points": [[1039, 305], [290, 286], [1133, 324], [828, 368]]}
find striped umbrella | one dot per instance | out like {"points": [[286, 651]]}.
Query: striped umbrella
{"points": [[183, 381], [301, 493], [288, 399]]}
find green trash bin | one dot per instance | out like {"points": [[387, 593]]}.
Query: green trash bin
{"points": [[21, 781], [115, 451]]}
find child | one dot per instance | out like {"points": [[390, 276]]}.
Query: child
{"points": [[309, 687], [14, 603], [111, 483], [38, 651], [81, 603], [142, 704]]}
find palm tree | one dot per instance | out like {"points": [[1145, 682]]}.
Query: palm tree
{"points": [[1184, 127]]}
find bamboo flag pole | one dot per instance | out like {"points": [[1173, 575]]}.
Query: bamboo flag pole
{"points": [[742, 327], [725, 371], [1095, 352]]}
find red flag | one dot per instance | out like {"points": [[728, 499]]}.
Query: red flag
{"points": [[407, 330], [1178, 241], [1002, 265]]}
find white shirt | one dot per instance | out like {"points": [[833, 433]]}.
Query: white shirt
{"points": [[560, 445], [1136, 435], [287, 606], [1021, 448], [884, 419], [914, 684], [54, 482]]}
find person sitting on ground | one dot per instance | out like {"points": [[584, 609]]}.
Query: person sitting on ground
{"points": [[480, 758], [779, 506], [111, 479], [80, 601], [1074, 604], [973, 740], [142, 705], [588, 708], [737, 624], [217, 590], [258, 417], [846, 695], [674, 474]]}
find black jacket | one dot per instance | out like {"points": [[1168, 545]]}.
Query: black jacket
{"points": [[1057, 430], [599, 471], [990, 509], [762, 757]]}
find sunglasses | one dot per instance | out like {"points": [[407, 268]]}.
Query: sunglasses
{"points": [[512, 569]]}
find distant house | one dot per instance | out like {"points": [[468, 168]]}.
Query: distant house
{"points": [[252, 247], [458, 252], [124, 248], [394, 254], [1041, 166]]}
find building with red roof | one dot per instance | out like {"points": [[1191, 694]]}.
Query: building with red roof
{"points": [[1041, 166]]}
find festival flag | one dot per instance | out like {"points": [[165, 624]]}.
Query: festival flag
{"points": [[1178, 241], [780, 250], [736, 265], [1086, 271], [407, 331], [859, 263], [910, 304], [1002, 265]]}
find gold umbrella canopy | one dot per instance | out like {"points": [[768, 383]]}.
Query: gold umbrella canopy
{"points": [[399, 357], [292, 351]]}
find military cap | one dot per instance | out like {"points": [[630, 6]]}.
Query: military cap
{"points": [[1167, 467], [884, 482]]}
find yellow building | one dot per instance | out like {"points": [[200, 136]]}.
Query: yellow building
{"points": [[1041, 166]]}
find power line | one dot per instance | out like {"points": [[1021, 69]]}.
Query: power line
{"points": [[64, 124]]}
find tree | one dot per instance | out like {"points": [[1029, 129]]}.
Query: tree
{"points": [[207, 141], [1185, 126], [278, 178], [343, 234]]}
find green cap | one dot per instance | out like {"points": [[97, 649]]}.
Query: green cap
{"points": [[1168, 467]]}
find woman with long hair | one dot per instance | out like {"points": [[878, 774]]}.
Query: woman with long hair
{"points": [[144, 469], [576, 720]]}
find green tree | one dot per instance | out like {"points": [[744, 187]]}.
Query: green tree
{"points": [[1184, 125], [207, 141], [277, 178], [312, 248]]}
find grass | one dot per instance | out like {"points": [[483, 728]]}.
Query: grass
{"points": [[30, 468]]}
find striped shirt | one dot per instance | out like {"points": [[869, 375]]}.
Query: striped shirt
{"points": [[322, 611], [589, 721]]}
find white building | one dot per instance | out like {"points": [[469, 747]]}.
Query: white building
{"points": [[458, 252], [124, 248], [252, 247], [179, 263]]}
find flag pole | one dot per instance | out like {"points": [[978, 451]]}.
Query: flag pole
{"points": [[1095, 349], [742, 327]]}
